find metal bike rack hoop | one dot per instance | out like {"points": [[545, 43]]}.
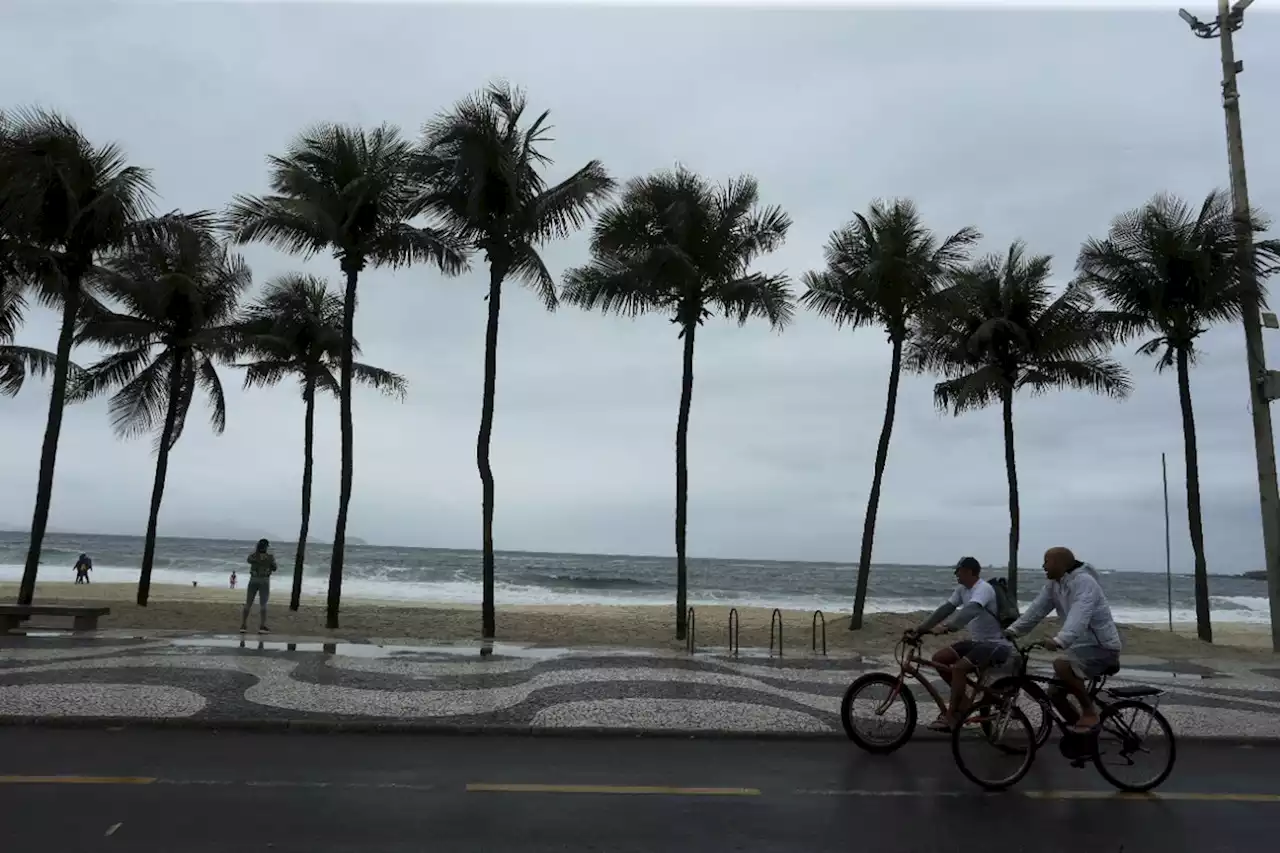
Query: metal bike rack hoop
{"points": [[817, 614]]}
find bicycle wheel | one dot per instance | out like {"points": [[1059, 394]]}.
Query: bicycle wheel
{"points": [[877, 715], [1036, 707], [994, 746], [1129, 730]]}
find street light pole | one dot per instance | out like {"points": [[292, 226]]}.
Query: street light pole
{"points": [[1263, 385]]}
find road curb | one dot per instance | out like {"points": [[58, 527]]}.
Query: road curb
{"points": [[427, 727]]}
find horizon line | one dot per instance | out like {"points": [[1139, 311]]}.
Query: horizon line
{"points": [[366, 544]]}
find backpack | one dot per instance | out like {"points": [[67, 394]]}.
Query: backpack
{"points": [[1006, 608]]}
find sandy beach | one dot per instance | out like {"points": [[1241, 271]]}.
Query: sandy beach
{"points": [[200, 609]]}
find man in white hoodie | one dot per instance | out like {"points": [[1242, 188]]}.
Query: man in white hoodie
{"points": [[1088, 634]]}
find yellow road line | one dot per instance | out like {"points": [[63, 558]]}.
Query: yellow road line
{"points": [[76, 780], [1154, 796], [610, 789]]}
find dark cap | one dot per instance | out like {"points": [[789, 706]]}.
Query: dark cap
{"points": [[969, 563]]}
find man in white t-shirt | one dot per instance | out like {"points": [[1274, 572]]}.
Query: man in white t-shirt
{"points": [[974, 605]]}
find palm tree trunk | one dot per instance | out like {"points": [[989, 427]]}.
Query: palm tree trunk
{"points": [[1011, 471], [873, 500], [176, 370], [344, 489], [497, 272], [52, 430], [1204, 627], [308, 442], [682, 482]]}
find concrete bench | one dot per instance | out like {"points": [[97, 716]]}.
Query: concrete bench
{"points": [[83, 618]]}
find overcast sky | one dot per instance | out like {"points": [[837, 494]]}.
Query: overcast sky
{"points": [[1033, 125]]}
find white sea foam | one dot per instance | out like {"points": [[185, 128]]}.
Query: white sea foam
{"points": [[1227, 609]]}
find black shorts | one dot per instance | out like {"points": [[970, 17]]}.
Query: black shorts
{"points": [[982, 654]]}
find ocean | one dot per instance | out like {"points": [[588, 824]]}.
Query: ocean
{"points": [[443, 575]]}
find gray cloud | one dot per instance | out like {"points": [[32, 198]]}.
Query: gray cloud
{"points": [[1039, 125]]}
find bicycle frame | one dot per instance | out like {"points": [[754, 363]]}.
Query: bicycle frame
{"points": [[907, 654], [1035, 685]]}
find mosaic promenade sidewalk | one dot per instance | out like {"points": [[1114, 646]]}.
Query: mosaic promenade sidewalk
{"points": [[217, 680]]}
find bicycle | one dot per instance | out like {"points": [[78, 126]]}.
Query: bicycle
{"points": [[907, 654], [999, 710]]}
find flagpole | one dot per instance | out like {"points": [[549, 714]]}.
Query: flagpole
{"points": [[1168, 561]]}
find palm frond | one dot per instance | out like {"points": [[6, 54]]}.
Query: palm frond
{"points": [[560, 210], [970, 391], [207, 378], [264, 374], [828, 297], [1102, 376], [757, 295], [383, 381], [527, 267], [140, 405], [18, 363], [400, 244], [326, 379], [296, 226], [111, 373], [614, 287]]}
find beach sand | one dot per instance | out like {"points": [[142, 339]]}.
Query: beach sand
{"points": [[185, 608]]}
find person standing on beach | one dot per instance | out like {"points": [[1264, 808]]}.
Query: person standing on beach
{"points": [[233, 579], [83, 566], [261, 564]]}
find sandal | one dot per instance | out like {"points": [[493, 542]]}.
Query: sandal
{"points": [[941, 724]]}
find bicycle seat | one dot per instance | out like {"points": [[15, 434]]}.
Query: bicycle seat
{"points": [[1135, 692], [1111, 670]]}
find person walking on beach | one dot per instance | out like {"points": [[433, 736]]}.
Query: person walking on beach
{"points": [[83, 566], [261, 564], [233, 579]]}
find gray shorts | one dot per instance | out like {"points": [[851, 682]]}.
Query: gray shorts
{"points": [[982, 654], [1091, 661]]}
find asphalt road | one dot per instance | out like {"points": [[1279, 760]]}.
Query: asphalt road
{"points": [[182, 791]]}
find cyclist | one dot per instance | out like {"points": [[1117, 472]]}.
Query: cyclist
{"points": [[1088, 634], [974, 604]]}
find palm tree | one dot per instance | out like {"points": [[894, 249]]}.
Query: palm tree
{"points": [[482, 170], [999, 329], [678, 245], [295, 330], [883, 269], [347, 191], [63, 202], [178, 293], [1171, 272]]}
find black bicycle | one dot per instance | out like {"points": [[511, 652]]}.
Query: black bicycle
{"points": [[999, 730]]}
